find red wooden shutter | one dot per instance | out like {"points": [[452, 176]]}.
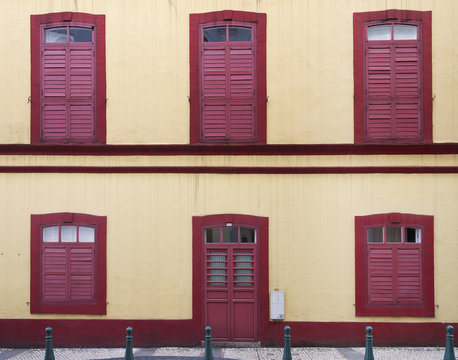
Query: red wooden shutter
{"points": [[82, 264], [54, 273], [380, 275], [409, 275]]}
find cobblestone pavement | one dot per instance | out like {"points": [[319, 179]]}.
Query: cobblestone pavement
{"points": [[309, 353]]}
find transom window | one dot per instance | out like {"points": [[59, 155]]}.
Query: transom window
{"points": [[394, 234], [392, 32], [230, 234], [63, 34], [68, 234], [227, 33]]}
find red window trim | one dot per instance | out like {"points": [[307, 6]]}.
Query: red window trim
{"points": [[195, 20], [36, 305], [359, 19], [199, 223], [363, 308], [100, 108]]}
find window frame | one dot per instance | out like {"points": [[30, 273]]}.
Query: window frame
{"points": [[38, 222], [196, 22], [360, 22], [426, 224], [37, 23]]}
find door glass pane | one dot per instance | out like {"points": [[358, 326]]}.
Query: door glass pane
{"points": [[243, 270], [215, 34], [213, 235], [405, 32], [56, 35], [230, 234], [51, 234], [379, 32], [375, 235], [247, 235], [68, 234], [79, 34], [217, 269], [393, 234], [86, 234], [412, 235], [238, 33]]}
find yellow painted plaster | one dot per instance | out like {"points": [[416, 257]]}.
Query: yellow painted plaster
{"points": [[309, 66], [149, 237]]}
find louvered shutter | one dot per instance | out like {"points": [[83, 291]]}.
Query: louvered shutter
{"points": [[380, 275], [242, 94], [54, 273], [82, 264], [407, 90], [214, 84], [409, 275]]}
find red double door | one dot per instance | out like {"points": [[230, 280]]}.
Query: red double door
{"points": [[231, 295]]}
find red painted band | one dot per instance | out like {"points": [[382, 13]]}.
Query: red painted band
{"points": [[231, 169], [148, 333], [228, 150]]}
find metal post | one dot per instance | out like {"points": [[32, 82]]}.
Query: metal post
{"points": [[369, 354], [129, 354], [208, 344], [49, 354], [287, 347], [449, 350]]}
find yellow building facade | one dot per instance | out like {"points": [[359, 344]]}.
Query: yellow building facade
{"points": [[169, 165]]}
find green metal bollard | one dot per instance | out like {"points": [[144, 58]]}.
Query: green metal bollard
{"points": [[449, 350], [287, 347], [369, 354], [208, 344], [49, 354], [129, 354]]}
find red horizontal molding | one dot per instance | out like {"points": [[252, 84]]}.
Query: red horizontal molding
{"points": [[167, 150], [232, 169], [21, 333]]}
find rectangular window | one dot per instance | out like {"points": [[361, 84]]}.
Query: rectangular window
{"points": [[394, 265], [392, 77], [68, 78], [228, 89], [68, 273]]}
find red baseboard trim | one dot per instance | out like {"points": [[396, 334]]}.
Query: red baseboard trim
{"points": [[23, 333], [231, 169], [261, 150]]}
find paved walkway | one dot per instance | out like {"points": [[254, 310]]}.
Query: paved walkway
{"points": [[308, 353]]}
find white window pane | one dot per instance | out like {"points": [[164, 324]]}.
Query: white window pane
{"points": [[412, 235], [393, 234], [56, 35], [375, 235], [379, 32], [86, 234], [51, 234], [405, 32], [68, 234]]}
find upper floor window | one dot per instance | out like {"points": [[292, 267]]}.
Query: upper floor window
{"points": [[392, 77], [68, 264], [68, 78], [394, 265], [228, 77]]}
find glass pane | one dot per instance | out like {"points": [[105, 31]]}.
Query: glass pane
{"points": [[244, 276], [405, 32], [215, 34], [68, 234], [213, 235], [79, 34], [86, 234], [51, 234], [375, 235], [247, 235], [56, 35], [230, 234], [412, 235], [379, 32], [238, 33], [217, 277], [393, 234]]}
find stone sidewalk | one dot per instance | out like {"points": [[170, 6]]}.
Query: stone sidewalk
{"points": [[166, 353]]}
